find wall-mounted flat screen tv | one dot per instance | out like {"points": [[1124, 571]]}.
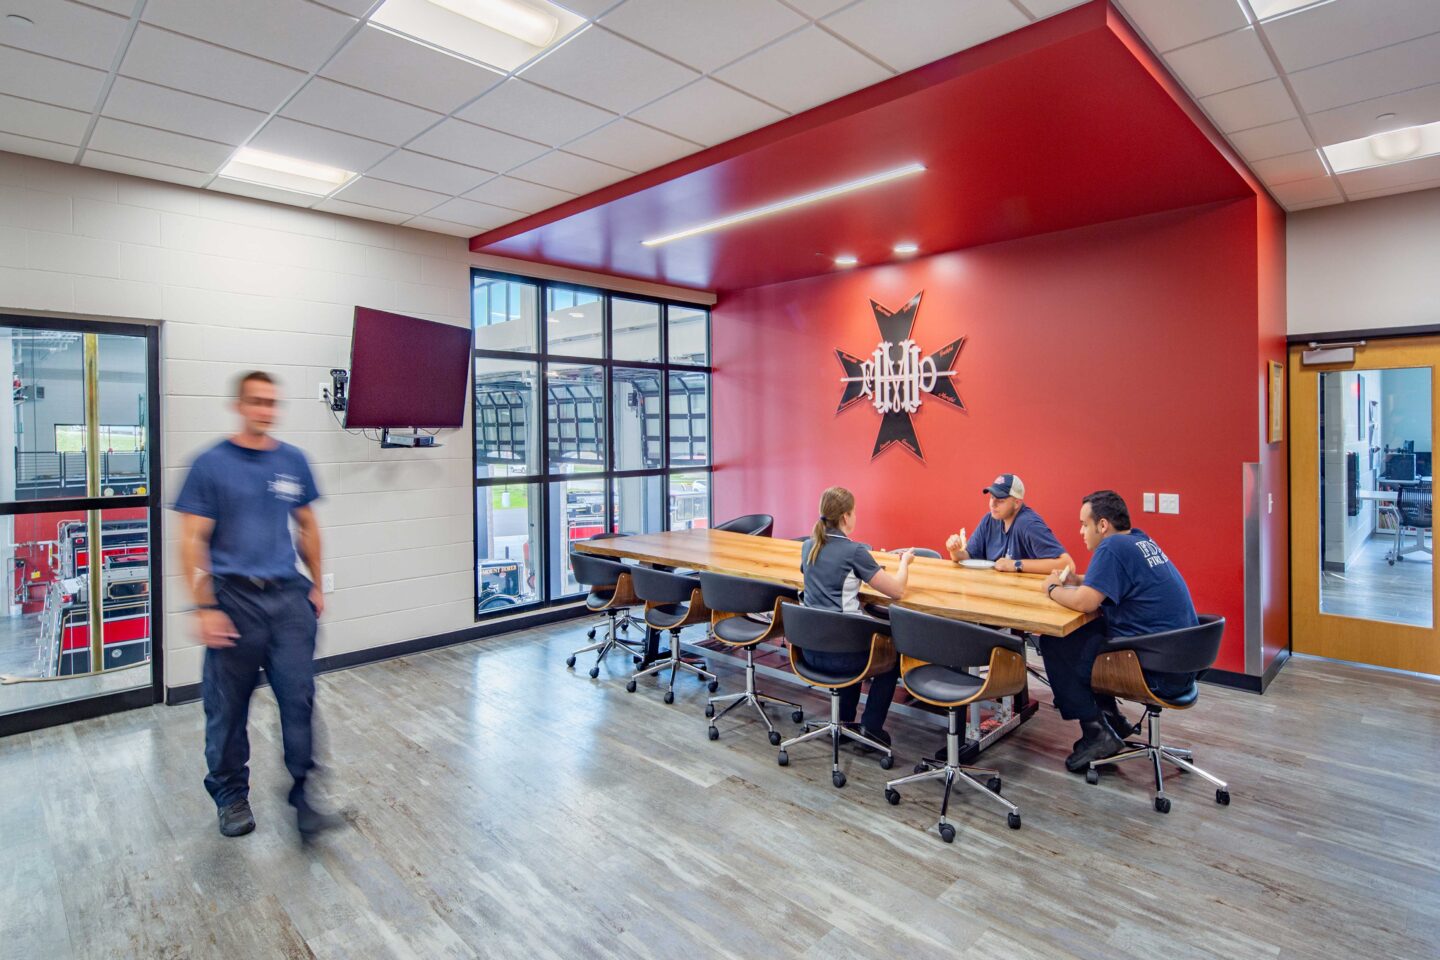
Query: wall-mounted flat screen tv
{"points": [[406, 372]]}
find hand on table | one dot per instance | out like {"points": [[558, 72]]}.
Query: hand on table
{"points": [[1005, 565], [1058, 578]]}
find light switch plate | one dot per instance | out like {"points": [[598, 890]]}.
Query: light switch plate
{"points": [[1149, 501], [1169, 503], [327, 583]]}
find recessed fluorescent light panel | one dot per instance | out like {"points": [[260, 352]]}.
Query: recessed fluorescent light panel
{"points": [[825, 193], [1268, 9], [285, 173], [502, 34], [1392, 146]]}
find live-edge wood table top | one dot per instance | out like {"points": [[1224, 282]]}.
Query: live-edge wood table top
{"points": [[940, 587]]}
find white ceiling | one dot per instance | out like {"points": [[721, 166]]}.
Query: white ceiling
{"points": [[168, 89]]}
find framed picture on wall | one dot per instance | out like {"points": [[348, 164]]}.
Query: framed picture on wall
{"points": [[1276, 431]]}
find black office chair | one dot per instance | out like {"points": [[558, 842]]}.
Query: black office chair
{"points": [[935, 655], [610, 594], [1119, 671], [672, 602], [1413, 511], [754, 524], [624, 621], [744, 614], [881, 611], [826, 631]]}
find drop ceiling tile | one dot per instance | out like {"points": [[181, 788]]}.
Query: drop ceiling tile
{"points": [[462, 142], [1304, 165], [1343, 28], [1293, 207], [1391, 175], [609, 71], [1048, 8], [292, 32], [122, 7], [631, 146], [1221, 63], [69, 31], [519, 195], [1306, 191], [429, 173], [142, 168], [207, 70], [325, 103], [157, 146], [708, 113], [818, 8], [532, 112], [361, 211], [355, 8], [442, 226], [481, 216], [392, 66], [1168, 24], [912, 34], [29, 75], [318, 145], [42, 121], [565, 171], [1368, 75], [389, 196], [30, 147], [154, 106], [702, 33], [1400, 188], [1273, 140], [803, 70], [1412, 107], [1256, 105]]}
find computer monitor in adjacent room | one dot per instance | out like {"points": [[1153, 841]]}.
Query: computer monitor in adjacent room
{"points": [[1399, 467]]}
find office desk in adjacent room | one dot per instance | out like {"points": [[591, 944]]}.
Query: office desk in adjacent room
{"points": [[1005, 600]]}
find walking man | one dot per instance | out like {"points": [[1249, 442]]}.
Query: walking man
{"points": [[253, 607]]}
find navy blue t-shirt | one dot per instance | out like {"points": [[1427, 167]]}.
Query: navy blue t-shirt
{"points": [[1027, 539], [250, 495], [1144, 593]]}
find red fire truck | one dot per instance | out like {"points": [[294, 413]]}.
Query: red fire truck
{"points": [[64, 636]]}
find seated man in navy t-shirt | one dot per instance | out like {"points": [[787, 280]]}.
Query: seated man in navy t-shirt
{"points": [[1011, 534], [1138, 591]]}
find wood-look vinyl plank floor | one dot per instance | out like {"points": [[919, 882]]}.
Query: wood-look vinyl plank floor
{"points": [[502, 806]]}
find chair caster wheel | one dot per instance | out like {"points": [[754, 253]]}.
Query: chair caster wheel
{"points": [[797, 716], [921, 768], [714, 733], [886, 762], [624, 628], [594, 672], [774, 738], [783, 759], [1014, 821], [637, 660], [669, 696], [1092, 776], [713, 685], [892, 796], [630, 687], [569, 661], [947, 833], [1222, 797], [1162, 804], [993, 784], [590, 634], [838, 778], [709, 710]]}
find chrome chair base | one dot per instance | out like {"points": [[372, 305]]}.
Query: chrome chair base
{"points": [[952, 771], [610, 642], [753, 698], [1155, 751], [675, 663], [836, 731]]}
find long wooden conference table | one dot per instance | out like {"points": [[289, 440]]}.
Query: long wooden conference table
{"points": [[1007, 600]]}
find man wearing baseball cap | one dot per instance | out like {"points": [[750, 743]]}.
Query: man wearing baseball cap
{"points": [[1011, 534]]}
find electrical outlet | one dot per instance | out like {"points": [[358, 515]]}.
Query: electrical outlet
{"points": [[1169, 503], [324, 391], [1148, 500], [327, 583]]}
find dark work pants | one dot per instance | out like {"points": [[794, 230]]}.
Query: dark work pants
{"points": [[277, 631], [1068, 662], [882, 687]]}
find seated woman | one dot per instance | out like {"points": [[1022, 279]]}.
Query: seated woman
{"points": [[834, 566]]}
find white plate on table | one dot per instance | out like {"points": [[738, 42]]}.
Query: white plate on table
{"points": [[977, 564]]}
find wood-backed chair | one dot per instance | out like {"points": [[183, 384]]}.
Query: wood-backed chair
{"points": [[672, 602], [1120, 671], [745, 613], [612, 594]]}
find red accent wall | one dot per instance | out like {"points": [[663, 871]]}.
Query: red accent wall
{"points": [[1122, 355]]}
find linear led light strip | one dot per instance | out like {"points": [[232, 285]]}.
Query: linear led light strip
{"points": [[791, 203]]}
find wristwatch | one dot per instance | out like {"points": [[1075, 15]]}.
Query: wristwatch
{"points": [[1019, 566]]}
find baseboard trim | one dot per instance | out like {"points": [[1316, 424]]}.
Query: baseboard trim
{"points": [[87, 708], [1245, 681], [190, 692]]}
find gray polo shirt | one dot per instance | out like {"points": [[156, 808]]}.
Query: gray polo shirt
{"points": [[833, 581]]}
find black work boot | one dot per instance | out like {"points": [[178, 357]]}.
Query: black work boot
{"points": [[311, 822], [1098, 742], [236, 820], [1122, 728]]}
